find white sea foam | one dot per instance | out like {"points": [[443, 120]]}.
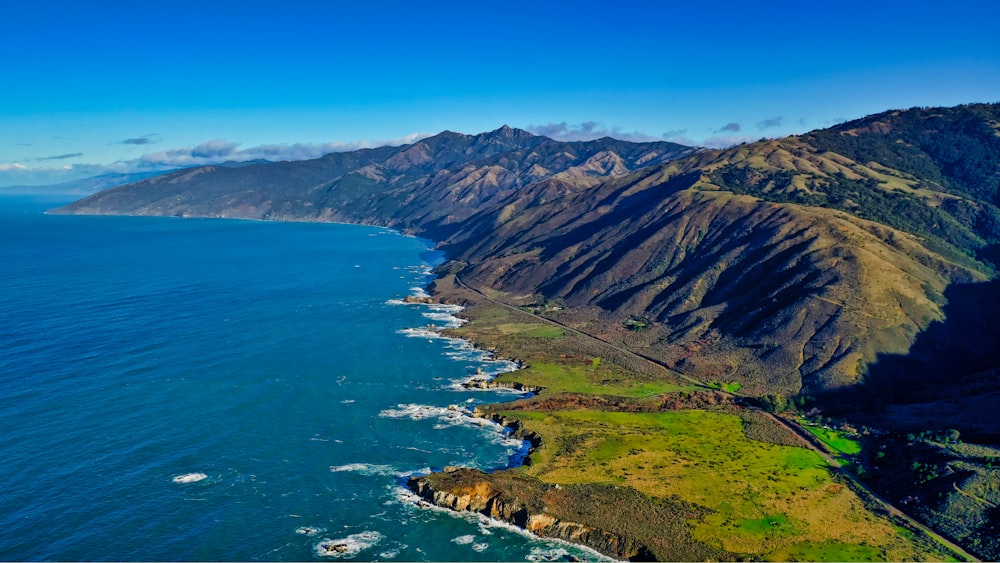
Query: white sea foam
{"points": [[455, 415], [190, 478], [389, 554], [446, 307], [487, 525], [406, 496], [480, 547], [414, 411], [421, 333], [539, 554], [446, 416], [487, 370], [364, 469], [449, 320], [308, 530], [348, 547], [464, 540]]}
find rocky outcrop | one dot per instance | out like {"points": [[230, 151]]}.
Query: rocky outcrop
{"points": [[469, 490], [493, 384]]}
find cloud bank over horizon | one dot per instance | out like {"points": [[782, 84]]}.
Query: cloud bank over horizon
{"points": [[215, 151], [587, 131]]}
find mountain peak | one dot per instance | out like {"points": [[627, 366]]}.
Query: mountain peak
{"points": [[506, 132]]}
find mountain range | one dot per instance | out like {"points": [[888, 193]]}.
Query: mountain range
{"points": [[789, 266], [79, 188], [850, 271]]}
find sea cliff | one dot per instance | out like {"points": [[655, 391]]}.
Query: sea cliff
{"points": [[525, 503]]}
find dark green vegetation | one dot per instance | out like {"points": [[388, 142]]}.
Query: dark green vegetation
{"points": [[953, 486], [847, 269]]}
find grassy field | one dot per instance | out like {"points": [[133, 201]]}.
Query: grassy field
{"points": [[555, 361], [763, 500], [603, 379], [836, 441], [752, 493]]}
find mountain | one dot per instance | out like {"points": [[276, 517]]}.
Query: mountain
{"points": [[786, 265], [423, 187], [851, 270], [78, 188]]}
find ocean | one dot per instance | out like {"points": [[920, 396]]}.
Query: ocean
{"points": [[204, 390]]}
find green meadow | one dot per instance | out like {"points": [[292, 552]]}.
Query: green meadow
{"points": [[836, 441], [601, 378], [754, 495], [763, 500]]}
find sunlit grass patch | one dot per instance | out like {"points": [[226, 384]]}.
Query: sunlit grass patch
{"points": [[828, 551], [730, 387], [837, 441], [532, 330], [762, 498], [602, 379]]}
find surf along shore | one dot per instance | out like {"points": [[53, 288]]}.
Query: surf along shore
{"points": [[638, 463]]}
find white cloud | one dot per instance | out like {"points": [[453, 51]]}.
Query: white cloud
{"points": [[220, 150], [726, 141], [680, 137], [731, 127], [587, 131], [210, 152], [770, 122]]}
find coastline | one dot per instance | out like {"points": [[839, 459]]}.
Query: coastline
{"points": [[432, 257], [483, 345], [479, 381], [504, 507], [683, 436]]}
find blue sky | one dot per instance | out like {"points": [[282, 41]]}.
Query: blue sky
{"points": [[93, 87]]}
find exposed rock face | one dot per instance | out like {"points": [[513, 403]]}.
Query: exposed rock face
{"points": [[491, 384], [474, 491]]}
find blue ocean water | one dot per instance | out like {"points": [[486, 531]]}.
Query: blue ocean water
{"points": [[184, 389]]}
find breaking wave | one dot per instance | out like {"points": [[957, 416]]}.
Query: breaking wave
{"points": [[364, 469], [189, 478], [348, 547]]}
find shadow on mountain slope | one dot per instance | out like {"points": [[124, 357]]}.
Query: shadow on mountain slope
{"points": [[950, 378]]}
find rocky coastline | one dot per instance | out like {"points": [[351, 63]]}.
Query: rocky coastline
{"points": [[489, 384], [513, 499], [521, 501], [518, 500]]}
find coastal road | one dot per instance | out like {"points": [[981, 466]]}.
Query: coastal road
{"points": [[812, 442], [795, 428], [586, 336]]}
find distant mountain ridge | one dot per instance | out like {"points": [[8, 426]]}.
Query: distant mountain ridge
{"points": [[782, 264], [438, 178], [85, 186]]}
